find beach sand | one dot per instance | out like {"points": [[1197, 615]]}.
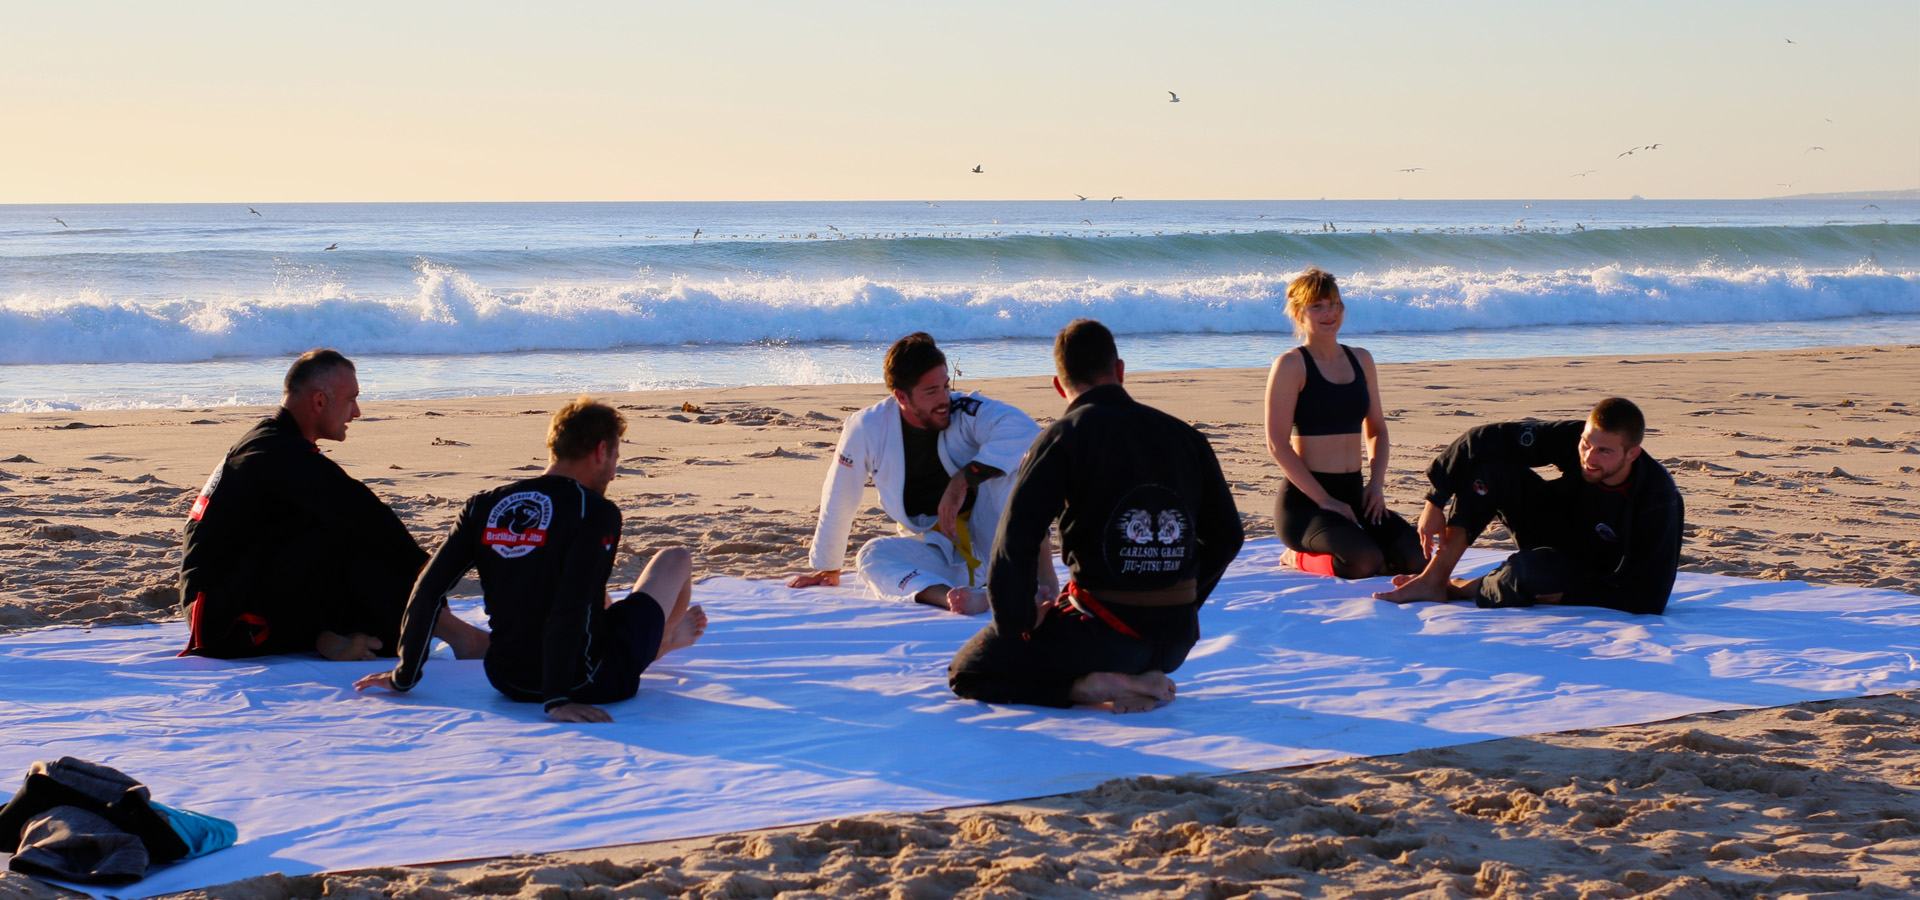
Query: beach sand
{"points": [[1797, 464]]}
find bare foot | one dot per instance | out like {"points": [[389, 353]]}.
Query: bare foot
{"points": [[1417, 589], [685, 631], [968, 601], [1126, 693], [469, 641], [350, 648]]}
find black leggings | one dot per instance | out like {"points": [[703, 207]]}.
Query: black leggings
{"points": [[1039, 669], [1387, 547]]}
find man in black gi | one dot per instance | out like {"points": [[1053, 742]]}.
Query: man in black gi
{"points": [[286, 553], [545, 547], [1609, 537], [1147, 527]]}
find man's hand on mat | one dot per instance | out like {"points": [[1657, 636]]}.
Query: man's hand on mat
{"points": [[968, 601], [382, 680], [828, 578], [950, 503], [350, 648], [578, 712]]}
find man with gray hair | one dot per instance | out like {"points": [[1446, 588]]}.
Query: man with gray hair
{"points": [[286, 553]]}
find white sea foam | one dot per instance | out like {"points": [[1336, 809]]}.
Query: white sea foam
{"points": [[448, 312]]}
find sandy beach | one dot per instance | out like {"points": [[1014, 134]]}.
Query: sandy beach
{"points": [[1797, 464]]}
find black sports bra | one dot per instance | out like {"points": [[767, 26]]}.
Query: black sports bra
{"points": [[1328, 408]]}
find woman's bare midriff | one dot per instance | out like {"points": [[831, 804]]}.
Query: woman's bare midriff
{"points": [[1330, 453]]}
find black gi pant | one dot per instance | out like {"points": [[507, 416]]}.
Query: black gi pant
{"points": [[320, 582], [1552, 555], [1040, 668]]}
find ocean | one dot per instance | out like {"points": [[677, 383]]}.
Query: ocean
{"points": [[158, 306]]}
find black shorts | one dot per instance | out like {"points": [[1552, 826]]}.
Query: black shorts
{"points": [[625, 641]]}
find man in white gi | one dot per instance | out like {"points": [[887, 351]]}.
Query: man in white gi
{"points": [[940, 461]]}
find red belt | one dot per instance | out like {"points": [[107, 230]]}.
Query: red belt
{"points": [[1084, 601]]}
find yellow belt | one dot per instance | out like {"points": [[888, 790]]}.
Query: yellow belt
{"points": [[964, 544]]}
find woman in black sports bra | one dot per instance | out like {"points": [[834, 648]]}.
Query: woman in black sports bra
{"points": [[1323, 405]]}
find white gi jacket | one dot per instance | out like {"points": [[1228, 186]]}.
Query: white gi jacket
{"points": [[982, 430]]}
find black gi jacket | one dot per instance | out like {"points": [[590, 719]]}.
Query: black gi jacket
{"points": [[1627, 538], [1140, 498], [275, 490]]}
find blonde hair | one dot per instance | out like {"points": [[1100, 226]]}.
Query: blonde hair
{"points": [[583, 425], [1313, 285]]}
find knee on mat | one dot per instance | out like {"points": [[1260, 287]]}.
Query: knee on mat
{"points": [[1363, 563]]}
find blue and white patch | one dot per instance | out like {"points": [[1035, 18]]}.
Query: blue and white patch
{"points": [[968, 405]]}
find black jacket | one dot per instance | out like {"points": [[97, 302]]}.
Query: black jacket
{"points": [[1627, 537], [1140, 498], [274, 489]]}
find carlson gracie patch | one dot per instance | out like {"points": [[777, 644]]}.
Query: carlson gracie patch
{"points": [[1149, 540], [518, 524]]}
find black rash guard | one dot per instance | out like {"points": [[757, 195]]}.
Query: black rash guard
{"points": [[1624, 540], [544, 547], [274, 500], [926, 475]]}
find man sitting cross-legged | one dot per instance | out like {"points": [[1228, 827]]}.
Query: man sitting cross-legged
{"points": [[1147, 528], [939, 461], [1608, 536], [545, 547]]}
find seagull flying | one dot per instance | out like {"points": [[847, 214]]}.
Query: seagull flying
{"points": [[1810, 150], [1116, 198], [1086, 221], [63, 222], [1629, 152], [1651, 147], [931, 203], [1869, 206], [1583, 174], [978, 171], [255, 212], [830, 227], [1788, 40], [1415, 169], [696, 234], [1176, 97], [1081, 196], [333, 246]]}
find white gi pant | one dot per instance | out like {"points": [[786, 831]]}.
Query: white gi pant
{"points": [[898, 568]]}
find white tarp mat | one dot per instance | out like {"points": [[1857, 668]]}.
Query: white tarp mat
{"points": [[807, 705]]}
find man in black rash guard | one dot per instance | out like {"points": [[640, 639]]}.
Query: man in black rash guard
{"points": [[1609, 537], [1147, 528], [285, 552], [545, 547]]}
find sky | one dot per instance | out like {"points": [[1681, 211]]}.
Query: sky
{"points": [[485, 101]]}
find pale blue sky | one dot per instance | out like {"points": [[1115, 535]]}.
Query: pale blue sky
{"points": [[266, 102]]}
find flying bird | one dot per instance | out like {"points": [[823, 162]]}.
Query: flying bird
{"points": [[1415, 169], [1869, 206], [63, 222], [1651, 147], [978, 171], [1788, 40], [696, 234], [333, 246], [1629, 152], [1583, 174], [1176, 97], [1786, 184], [255, 212], [1810, 150], [1116, 198], [1081, 196], [831, 228], [931, 203]]}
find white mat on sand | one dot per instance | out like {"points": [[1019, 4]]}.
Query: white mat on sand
{"points": [[801, 706]]}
